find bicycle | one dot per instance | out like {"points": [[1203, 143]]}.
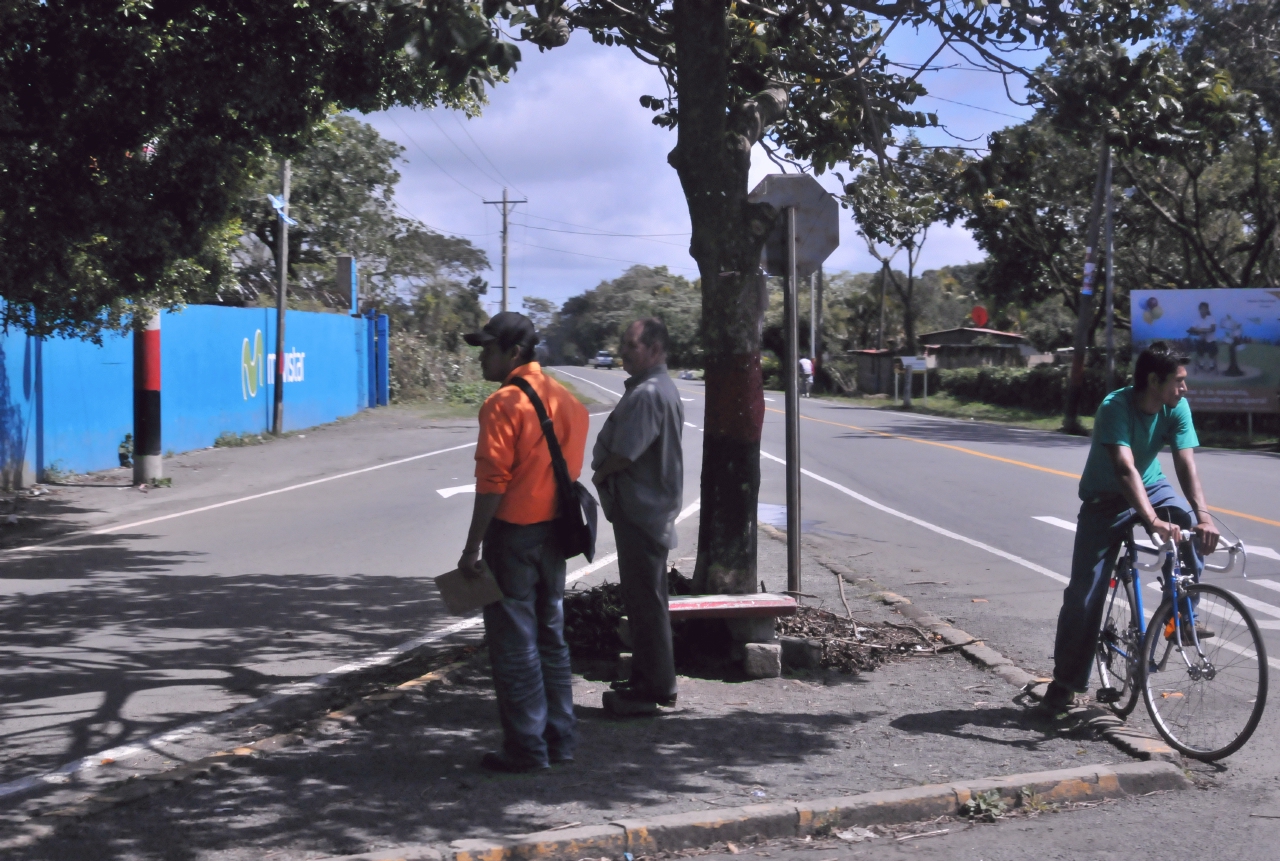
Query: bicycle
{"points": [[1205, 696]]}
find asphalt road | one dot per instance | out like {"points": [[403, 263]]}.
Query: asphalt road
{"points": [[210, 596], [193, 601]]}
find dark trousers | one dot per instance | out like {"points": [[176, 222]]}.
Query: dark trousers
{"points": [[642, 570], [525, 633], [1100, 529]]}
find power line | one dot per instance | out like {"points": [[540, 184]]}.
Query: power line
{"points": [[974, 107], [469, 159], [587, 227], [603, 232], [432, 160], [598, 257], [485, 155], [440, 230], [608, 235]]}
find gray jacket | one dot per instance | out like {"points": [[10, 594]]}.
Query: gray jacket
{"points": [[645, 427]]}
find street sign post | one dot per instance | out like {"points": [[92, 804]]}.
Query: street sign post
{"points": [[805, 235]]}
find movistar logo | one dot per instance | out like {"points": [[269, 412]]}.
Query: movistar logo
{"points": [[253, 366]]}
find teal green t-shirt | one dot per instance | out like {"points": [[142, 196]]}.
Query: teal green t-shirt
{"points": [[1120, 422]]}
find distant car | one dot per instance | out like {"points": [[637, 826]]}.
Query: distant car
{"points": [[603, 359]]}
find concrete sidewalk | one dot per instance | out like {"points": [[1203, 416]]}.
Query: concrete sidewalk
{"points": [[402, 769]]}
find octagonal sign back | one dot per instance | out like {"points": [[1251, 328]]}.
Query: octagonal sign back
{"points": [[817, 222]]}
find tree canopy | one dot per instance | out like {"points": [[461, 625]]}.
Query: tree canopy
{"points": [[130, 129]]}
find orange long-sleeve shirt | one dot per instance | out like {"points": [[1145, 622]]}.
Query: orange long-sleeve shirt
{"points": [[512, 456]]}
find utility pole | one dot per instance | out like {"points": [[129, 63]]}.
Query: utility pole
{"points": [[813, 320], [147, 463], [1084, 302], [1111, 285], [507, 206], [282, 294]]}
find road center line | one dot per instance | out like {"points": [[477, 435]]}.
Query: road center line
{"points": [[107, 530], [588, 382], [1025, 563]]}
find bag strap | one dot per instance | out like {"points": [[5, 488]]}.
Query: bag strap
{"points": [[558, 465]]}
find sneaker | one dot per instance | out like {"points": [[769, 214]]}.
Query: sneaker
{"points": [[500, 762]]}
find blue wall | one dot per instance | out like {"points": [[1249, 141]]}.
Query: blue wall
{"points": [[69, 403]]}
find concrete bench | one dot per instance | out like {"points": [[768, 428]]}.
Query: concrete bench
{"points": [[757, 605]]}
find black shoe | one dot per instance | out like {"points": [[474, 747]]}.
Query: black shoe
{"points": [[559, 758], [630, 692], [1057, 702], [502, 763], [1203, 631]]}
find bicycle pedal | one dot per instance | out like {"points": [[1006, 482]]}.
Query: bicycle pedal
{"points": [[1108, 695]]}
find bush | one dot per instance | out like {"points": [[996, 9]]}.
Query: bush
{"points": [[468, 394], [1042, 388]]}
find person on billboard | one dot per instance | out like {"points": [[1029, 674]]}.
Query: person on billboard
{"points": [[1206, 343]]}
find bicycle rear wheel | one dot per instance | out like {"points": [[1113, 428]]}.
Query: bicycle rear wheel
{"points": [[1119, 644], [1206, 707]]}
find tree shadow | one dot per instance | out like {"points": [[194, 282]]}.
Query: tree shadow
{"points": [[109, 644], [419, 784]]}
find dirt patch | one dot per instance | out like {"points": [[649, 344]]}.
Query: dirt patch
{"points": [[851, 647]]}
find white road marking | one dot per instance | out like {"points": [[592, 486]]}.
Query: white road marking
{"points": [[1251, 549], [64, 774], [688, 400], [107, 530], [588, 382], [691, 425], [447, 492], [1265, 584], [771, 400], [1025, 563]]}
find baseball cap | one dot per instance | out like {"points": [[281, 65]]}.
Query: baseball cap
{"points": [[508, 328]]}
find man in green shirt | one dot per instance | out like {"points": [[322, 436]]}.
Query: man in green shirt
{"points": [[1123, 484]]}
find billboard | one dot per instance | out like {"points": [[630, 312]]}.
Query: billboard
{"points": [[1232, 337]]}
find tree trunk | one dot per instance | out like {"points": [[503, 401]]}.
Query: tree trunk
{"points": [[713, 157], [1084, 306]]}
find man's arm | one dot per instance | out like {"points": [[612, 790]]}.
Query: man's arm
{"points": [[613, 463], [1136, 495], [481, 515], [1184, 463]]}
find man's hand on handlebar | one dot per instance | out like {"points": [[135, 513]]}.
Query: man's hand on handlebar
{"points": [[1207, 535], [1166, 532]]}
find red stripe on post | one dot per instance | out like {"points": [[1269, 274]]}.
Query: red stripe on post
{"points": [[151, 365]]}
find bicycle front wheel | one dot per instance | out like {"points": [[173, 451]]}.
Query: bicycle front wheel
{"points": [[1205, 702], [1119, 643]]}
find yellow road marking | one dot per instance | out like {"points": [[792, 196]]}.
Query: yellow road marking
{"points": [[1255, 518]]}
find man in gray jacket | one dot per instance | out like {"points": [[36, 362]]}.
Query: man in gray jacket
{"points": [[639, 472]]}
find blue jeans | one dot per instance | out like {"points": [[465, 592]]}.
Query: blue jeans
{"points": [[527, 649], [1101, 527]]}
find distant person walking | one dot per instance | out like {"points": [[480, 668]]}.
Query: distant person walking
{"points": [[515, 505], [806, 376], [639, 472]]}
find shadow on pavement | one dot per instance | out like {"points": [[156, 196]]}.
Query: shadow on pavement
{"points": [[124, 647]]}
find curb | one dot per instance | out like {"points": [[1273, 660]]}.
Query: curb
{"points": [[822, 816]]}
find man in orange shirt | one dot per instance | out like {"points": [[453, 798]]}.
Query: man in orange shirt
{"points": [[516, 504]]}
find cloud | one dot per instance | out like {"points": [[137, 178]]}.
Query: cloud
{"points": [[567, 133]]}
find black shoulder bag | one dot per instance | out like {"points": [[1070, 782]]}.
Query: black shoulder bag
{"points": [[575, 525]]}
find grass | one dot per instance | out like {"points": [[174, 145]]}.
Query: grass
{"points": [[463, 400], [231, 439], [951, 407]]}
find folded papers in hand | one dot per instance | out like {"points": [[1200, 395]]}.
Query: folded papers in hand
{"points": [[463, 594]]}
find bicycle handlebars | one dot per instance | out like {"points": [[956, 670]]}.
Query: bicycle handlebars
{"points": [[1234, 552]]}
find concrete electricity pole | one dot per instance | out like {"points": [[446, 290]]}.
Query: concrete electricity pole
{"points": [[282, 294], [507, 206], [147, 463]]}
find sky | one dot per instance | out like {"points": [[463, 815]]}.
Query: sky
{"points": [[568, 135]]}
